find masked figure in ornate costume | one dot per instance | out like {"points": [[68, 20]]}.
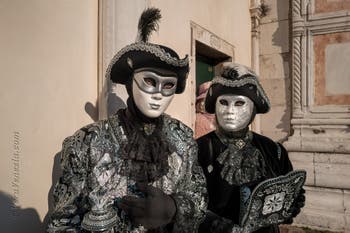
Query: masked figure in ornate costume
{"points": [[137, 171], [235, 160]]}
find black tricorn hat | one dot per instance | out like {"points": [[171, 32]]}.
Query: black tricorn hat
{"points": [[237, 79], [144, 54]]}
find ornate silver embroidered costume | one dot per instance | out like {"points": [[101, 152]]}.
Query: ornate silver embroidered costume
{"points": [[92, 178]]}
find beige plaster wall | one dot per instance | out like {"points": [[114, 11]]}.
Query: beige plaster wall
{"points": [[229, 20], [48, 72]]}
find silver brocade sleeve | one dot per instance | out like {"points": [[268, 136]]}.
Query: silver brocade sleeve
{"points": [[68, 198], [191, 200]]}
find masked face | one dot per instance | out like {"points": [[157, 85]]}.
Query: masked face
{"points": [[233, 112], [153, 91]]}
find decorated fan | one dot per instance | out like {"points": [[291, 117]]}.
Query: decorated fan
{"points": [[271, 201]]}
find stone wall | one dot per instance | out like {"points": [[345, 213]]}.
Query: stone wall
{"points": [[320, 142], [305, 72], [275, 61]]}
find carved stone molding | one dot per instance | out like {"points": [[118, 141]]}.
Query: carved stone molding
{"points": [[296, 76], [210, 39], [255, 16], [297, 59], [320, 142], [107, 40], [320, 128], [204, 36]]}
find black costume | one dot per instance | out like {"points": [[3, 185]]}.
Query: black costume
{"points": [[234, 163], [225, 199]]}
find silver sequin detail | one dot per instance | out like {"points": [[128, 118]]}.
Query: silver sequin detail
{"points": [[210, 168], [279, 151]]}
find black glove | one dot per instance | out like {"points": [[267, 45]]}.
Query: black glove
{"points": [[214, 223], [299, 203], [155, 210]]}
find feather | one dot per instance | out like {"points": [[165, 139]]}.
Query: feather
{"points": [[148, 23]]}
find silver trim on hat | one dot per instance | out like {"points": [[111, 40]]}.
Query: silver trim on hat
{"points": [[150, 48], [241, 82]]}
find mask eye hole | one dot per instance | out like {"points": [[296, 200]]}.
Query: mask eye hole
{"points": [[223, 102], [239, 103], [168, 85], [150, 81]]}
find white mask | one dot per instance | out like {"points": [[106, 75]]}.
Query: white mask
{"points": [[153, 92], [233, 112]]}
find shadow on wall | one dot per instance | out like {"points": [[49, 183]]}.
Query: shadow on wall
{"points": [[13, 219], [56, 174], [114, 103], [281, 37], [284, 124]]}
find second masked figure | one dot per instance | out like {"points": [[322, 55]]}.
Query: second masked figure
{"points": [[236, 160]]}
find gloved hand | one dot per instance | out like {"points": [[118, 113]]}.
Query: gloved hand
{"points": [[216, 224], [155, 210], [297, 205]]}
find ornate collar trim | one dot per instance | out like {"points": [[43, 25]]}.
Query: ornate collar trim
{"points": [[242, 163], [236, 143]]}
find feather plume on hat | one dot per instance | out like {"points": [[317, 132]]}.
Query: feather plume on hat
{"points": [[142, 54], [148, 23]]}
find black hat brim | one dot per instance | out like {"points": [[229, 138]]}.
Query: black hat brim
{"points": [[132, 58], [248, 90]]}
